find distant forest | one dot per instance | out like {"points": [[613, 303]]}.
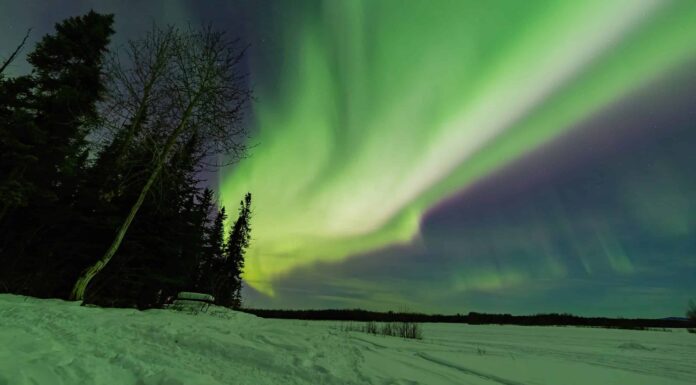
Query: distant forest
{"points": [[100, 157], [474, 318]]}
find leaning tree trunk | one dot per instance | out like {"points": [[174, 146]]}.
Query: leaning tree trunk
{"points": [[78, 291]]}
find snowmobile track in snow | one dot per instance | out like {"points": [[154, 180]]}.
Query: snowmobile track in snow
{"points": [[468, 371]]}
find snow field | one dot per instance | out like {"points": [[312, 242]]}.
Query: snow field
{"points": [[55, 342]]}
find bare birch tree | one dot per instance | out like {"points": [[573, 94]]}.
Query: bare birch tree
{"points": [[167, 88]]}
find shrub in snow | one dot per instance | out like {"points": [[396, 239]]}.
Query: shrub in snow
{"points": [[370, 327], [691, 313], [405, 329]]}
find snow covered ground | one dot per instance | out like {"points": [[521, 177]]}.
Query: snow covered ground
{"points": [[55, 342]]}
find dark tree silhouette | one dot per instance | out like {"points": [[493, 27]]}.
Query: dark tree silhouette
{"points": [[193, 88], [67, 96], [212, 256], [204, 251], [45, 118], [46, 114], [228, 288]]}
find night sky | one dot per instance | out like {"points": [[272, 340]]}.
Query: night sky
{"points": [[455, 156]]}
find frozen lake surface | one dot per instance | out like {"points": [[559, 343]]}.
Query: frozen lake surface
{"points": [[55, 342]]}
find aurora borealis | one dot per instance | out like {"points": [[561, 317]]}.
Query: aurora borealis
{"points": [[459, 155]]}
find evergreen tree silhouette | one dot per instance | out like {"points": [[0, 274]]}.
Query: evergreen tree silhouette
{"points": [[229, 288], [46, 115], [204, 256], [45, 119], [68, 80], [212, 254]]}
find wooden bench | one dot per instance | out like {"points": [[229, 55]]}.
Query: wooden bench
{"points": [[192, 302]]}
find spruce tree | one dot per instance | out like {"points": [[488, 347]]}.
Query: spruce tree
{"points": [[45, 118], [19, 135], [229, 288], [68, 81], [212, 256], [46, 115]]}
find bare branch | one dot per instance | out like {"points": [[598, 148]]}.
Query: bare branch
{"points": [[15, 53]]}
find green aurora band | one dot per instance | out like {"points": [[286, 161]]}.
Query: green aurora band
{"points": [[378, 110]]}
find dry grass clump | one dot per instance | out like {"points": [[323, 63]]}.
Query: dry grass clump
{"points": [[405, 329]]}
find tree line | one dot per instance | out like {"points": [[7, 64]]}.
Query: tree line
{"points": [[101, 153], [474, 318]]}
